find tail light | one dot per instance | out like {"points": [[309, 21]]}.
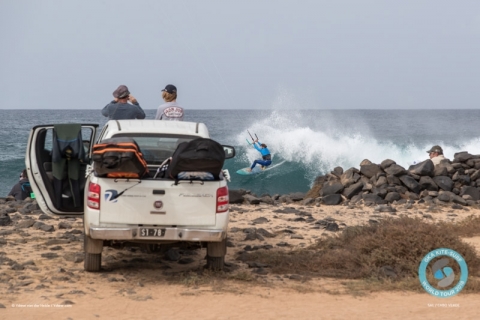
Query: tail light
{"points": [[222, 199], [93, 199]]}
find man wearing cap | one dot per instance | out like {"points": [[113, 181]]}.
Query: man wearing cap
{"points": [[436, 154], [120, 109], [170, 110]]}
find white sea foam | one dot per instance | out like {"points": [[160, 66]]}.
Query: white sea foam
{"points": [[319, 150]]}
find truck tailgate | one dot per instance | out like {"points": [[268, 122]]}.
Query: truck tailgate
{"points": [[159, 202]]}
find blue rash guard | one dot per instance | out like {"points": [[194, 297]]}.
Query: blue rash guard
{"points": [[267, 158], [264, 151]]}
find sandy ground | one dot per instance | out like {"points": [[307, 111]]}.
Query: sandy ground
{"points": [[42, 276]]}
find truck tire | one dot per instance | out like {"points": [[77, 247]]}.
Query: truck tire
{"points": [[216, 252], [215, 263], [93, 254], [92, 262]]}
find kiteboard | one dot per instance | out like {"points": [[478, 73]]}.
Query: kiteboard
{"points": [[258, 169]]}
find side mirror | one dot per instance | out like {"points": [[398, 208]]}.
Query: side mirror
{"points": [[229, 152]]}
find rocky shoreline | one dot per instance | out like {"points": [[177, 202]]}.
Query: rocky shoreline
{"points": [[455, 182]]}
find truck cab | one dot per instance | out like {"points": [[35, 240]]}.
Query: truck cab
{"points": [[152, 210]]}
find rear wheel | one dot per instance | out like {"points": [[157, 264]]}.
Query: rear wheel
{"points": [[92, 262], [215, 263], [216, 252], [93, 254]]}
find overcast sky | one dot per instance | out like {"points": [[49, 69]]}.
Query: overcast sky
{"points": [[231, 54]]}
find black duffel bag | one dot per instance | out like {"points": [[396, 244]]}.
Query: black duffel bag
{"points": [[198, 155]]}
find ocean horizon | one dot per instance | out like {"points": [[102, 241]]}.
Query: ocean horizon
{"points": [[305, 143]]}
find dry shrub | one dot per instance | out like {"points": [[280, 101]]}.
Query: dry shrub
{"points": [[468, 227], [372, 251]]}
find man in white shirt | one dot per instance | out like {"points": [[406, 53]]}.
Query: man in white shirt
{"points": [[436, 154]]}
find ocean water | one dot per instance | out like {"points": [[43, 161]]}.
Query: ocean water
{"points": [[304, 143]]}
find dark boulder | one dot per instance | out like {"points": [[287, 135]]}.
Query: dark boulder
{"points": [[331, 187], [440, 170], [370, 170], [350, 177], [297, 196], [381, 181], [371, 199], [444, 182], [236, 196], [332, 199], [471, 191], [337, 171], [381, 192], [387, 163], [393, 180], [353, 190], [392, 196], [459, 200], [410, 183], [475, 175], [462, 157], [395, 170], [251, 199], [445, 196], [424, 168], [5, 220], [427, 183]]}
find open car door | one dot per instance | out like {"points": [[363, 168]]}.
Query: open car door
{"points": [[56, 159]]}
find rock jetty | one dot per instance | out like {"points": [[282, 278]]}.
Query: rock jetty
{"points": [[455, 182]]}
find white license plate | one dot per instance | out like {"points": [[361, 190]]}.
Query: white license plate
{"points": [[151, 232]]}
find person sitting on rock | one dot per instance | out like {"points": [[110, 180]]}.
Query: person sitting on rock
{"points": [[436, 154], [21, 190]]}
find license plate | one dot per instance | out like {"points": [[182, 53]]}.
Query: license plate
{"points": [[152, 232]]}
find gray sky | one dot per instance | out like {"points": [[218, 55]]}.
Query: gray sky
{"points": [[227, 54]]}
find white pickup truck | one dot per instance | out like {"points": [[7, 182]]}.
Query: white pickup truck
{"points": [[148, 210]]}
